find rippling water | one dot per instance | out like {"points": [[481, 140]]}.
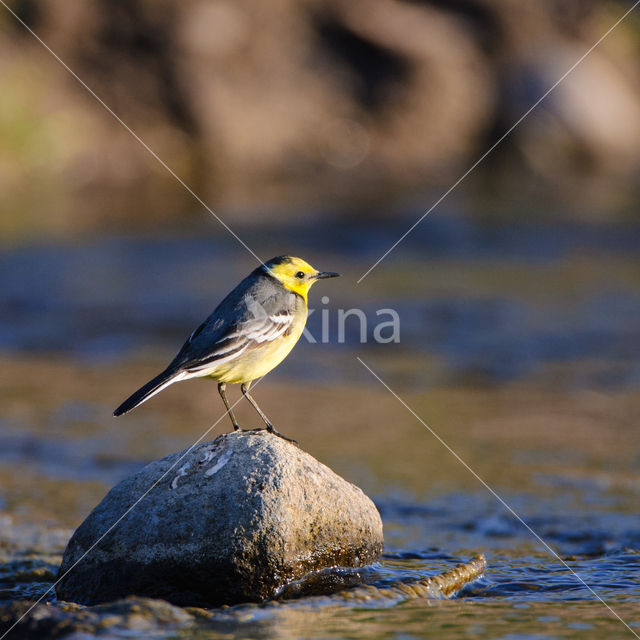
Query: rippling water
{"points": [[520, 348]]}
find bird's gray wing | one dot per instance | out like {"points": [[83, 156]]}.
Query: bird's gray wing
{"points": [[250, 316]]}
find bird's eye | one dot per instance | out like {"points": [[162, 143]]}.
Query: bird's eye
{"points": [[300, 275]]}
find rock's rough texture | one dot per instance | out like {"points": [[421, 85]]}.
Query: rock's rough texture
{"points": [[230, 521]]}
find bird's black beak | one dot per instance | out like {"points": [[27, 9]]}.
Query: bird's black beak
{"points": [[325, 274]]}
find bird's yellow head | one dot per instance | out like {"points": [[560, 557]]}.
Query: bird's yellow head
{"points": [[295, 274]]}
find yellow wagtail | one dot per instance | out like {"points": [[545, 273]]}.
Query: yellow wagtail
{"points": [[249, 333]]}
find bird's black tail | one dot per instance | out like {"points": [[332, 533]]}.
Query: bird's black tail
{"points": [[152, 387]]}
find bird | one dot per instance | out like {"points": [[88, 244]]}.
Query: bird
{"points": [[248, 334]]}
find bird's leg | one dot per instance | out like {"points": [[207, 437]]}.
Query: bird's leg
{"points": [[254, 404], [221, 390]]}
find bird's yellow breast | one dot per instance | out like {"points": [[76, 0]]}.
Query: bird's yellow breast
{"points": [[260, 360]]}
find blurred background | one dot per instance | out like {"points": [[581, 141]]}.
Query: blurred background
{"points": [[325, 129], [281, 111]]}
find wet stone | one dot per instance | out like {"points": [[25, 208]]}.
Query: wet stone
{"points": [[233, 520], [21, 619]]}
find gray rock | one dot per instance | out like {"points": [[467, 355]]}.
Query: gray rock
{"points": [[232, 520], [133, 617]]}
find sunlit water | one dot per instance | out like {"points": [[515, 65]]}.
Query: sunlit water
{"points": [[520, 348]]}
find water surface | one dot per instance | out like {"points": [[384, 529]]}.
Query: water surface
{"points": [[519, 348]]}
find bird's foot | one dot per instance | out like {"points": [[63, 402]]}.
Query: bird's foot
{"points": [[252, 431], [272, 429]]}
